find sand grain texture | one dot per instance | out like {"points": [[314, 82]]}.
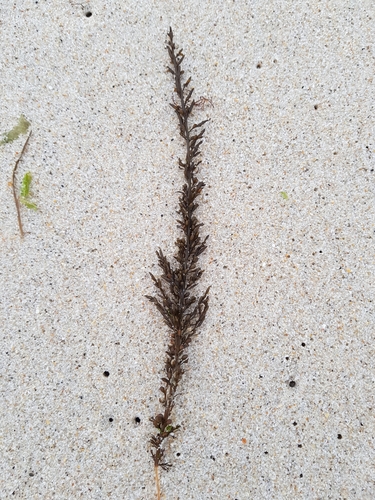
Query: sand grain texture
{"points": [[292, 276]]}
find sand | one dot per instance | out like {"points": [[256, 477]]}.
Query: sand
{"points": [[278, 401]]}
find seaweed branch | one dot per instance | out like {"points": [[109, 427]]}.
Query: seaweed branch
{"points": [[16, 199], [183, 312]]}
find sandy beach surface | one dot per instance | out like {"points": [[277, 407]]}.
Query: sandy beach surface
{"points": [[278, 400]]}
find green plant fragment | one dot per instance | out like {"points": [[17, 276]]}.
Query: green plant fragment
{"points": [[25, 192], [25, 187], [21, 128], [28, 204], [284, 195]]}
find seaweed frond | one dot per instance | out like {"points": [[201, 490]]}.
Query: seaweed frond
{"points": [[182, 310]]}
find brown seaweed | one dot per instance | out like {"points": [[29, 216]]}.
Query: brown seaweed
{"points": [[182, 310]]}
